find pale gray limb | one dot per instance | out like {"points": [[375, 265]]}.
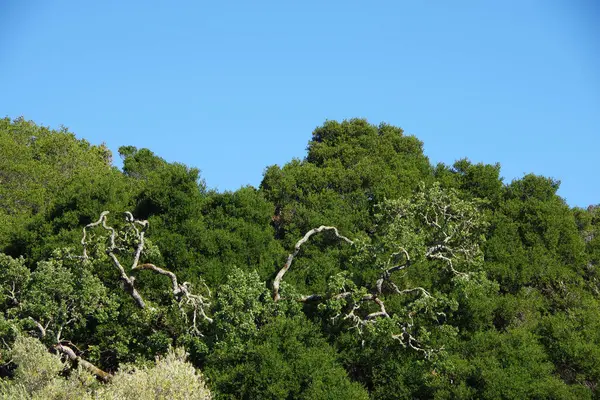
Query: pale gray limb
{"points": [[128, 281], [70, 354], [406, 339], [40, 327], [181, 292], [417, 289], [310, 298], [387, 273], [288, 263], [174, 286], [91, 225], [381, 313], [67, 351], [12, 294], [139, 235]]}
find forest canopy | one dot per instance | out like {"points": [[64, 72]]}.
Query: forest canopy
{"points": [[360, 271]]}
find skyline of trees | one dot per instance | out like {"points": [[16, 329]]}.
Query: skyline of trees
{"points": [[360, 271]]}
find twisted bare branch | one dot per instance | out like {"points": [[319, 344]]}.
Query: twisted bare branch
{"points": [[40, 327], [381, 313], [128, 281], [91, 225], [288, 263], [387, 273], [158, 270], [445, 228], [181, 292], [70, 354]]}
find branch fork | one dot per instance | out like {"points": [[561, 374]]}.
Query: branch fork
{"points": [[181, 292]]}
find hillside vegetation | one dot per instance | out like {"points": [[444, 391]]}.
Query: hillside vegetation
{"points": [[361, 271]]}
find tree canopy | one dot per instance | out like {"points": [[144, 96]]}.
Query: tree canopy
{"points": [[360, 271]]}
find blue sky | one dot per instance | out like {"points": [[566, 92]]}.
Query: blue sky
{"points": [[232, 87]]}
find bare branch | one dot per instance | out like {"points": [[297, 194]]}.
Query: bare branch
{"points": [[158, 270], [67, 351], [412, 290], [381, 313], [310, 298], [386, 275], [12, 294], [181, 292], [448, 261], [139, 236], [288, 264], [41, 328], [445, 230], [128, 282], [91, 225]]}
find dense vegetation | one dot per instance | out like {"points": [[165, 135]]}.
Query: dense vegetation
{"points": [[361, 271]]}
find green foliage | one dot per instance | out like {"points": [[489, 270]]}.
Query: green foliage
{"points": [[242, 306], [286, 359], [514, 365], [456, 285], [36, 367], [269, 350], [169, 190], [236, 233], [51, 184], [14, 277], [534, 238], [481, 181], [350, 167]]}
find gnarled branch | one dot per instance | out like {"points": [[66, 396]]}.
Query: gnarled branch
{"points": [[70, 354], [288, 263], [62, 348], [181, 292], [128, 281], [158, 270], [445, 229], [386, 275], [40, 327]]}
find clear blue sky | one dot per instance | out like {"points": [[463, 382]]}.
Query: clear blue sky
{"points": [[234, 86]]}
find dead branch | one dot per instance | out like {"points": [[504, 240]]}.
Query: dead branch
{"points": [[139, 235], [387, 273], [288, 263], [70, 354], [68, 351], [381, 313], [449, 239], [432, 254], [128, 281], [12, 294], [182, 295], [40, 327], [417, 289], [181, 292], [88, 226], [406, 339], [310, 298], [176, 288]]}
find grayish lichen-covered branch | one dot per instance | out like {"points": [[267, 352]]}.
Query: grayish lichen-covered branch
{"points": [[288, 263], [73, 357], [63, 348], [128, 281], [181, 292], [358, 309]]}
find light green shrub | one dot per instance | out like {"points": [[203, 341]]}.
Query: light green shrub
{"points": [[37, 377], [171, 378]]}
